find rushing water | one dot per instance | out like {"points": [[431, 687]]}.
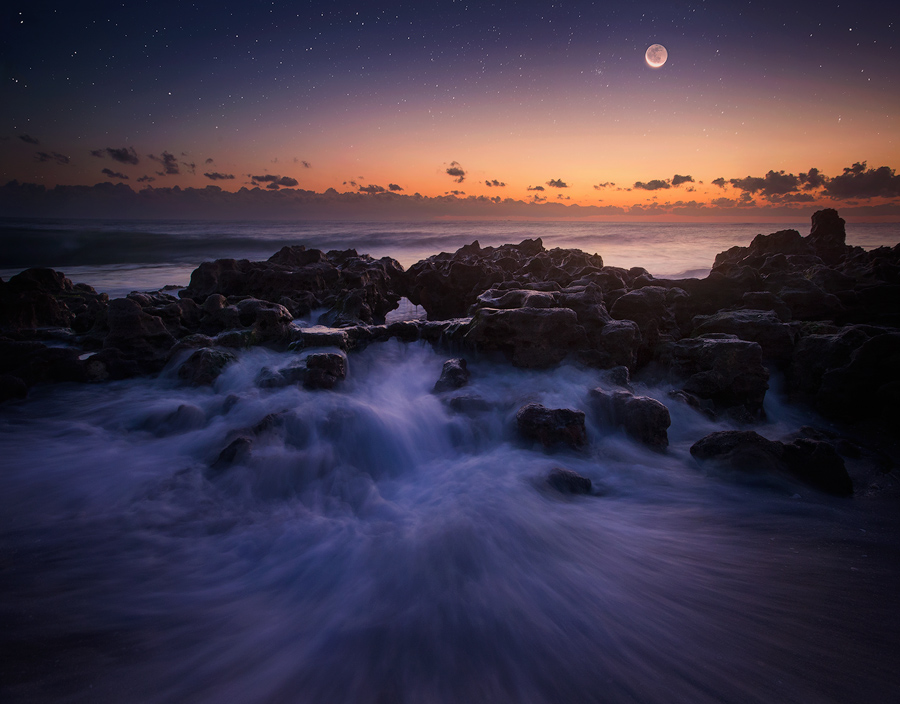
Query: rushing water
{"points": [[374, 545]]}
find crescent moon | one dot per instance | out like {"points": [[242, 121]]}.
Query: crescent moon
{"points": [[656, 55]]}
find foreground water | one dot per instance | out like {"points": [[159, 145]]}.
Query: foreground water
{"points": [[118, 256], [375, 546]]}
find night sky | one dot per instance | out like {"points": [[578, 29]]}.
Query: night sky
{"points": [[761, 105]]}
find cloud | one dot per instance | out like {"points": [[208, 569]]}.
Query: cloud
{"points": [[494, 183], [654, 185], [52, 156], [146, 179], [720, 182], [812, 180], [605, 184], [191, 167], [678, 180], [774, 183], [458, 193], [97, 153], [306, 164], [273, 186], [557, 183], [208, 161], [114, 174], [169, 163], [538, 199], [28, 139], [535, 188], [456, 171], [277, 181], [125, 155], [859, 182], [371, 189], [216, 176], [394, 187], [560, 196]]}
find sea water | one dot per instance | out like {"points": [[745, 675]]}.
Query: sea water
{"points": [[374, 545]]}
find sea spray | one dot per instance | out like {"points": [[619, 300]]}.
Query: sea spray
{"points": [[372, 543]]}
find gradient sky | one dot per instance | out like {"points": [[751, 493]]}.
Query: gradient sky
{"points": [[524, 101]]}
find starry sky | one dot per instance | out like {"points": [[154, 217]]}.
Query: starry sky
{"points": [[472, 106]]}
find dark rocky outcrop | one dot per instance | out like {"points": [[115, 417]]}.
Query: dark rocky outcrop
{"points": [[204, 366], [723, 370], [530, 337], [775, 338], [454, 375], [565, 481], [812, 461], [644, 419], [324, 370], [139, 336], [551, 426]]}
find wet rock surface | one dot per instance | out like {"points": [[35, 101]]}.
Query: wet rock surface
{"points": [[551, 426]]}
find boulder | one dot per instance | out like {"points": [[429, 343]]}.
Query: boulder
{"points": [[530, 337], [565, 481], [644, 419], [454, 375], [204, 366], [324, 370], [551, 426], [721, 369], [137, 335], [813, 462], [775, 338]]}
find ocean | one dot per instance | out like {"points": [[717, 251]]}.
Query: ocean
{"points": [[118, 256], [376, 545]]}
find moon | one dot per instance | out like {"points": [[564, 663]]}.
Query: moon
{"points": [[656, 55]]}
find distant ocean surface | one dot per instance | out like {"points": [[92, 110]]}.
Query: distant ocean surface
{"points": [[118, 256]]}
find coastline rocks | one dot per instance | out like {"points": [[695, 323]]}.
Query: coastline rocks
{"points": [[721, 369], [565, 481], [137, 335], [814, 462], [44, 298], [204, 366], [551, 426], [324, 370], [775, 338], [644, 419], [454, 375], [529, 337]]}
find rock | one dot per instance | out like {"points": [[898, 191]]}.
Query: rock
{"points": [[276, 379], [814, 462], [722, 369], [325, 370], [43, 298], [644, 419], [454, 375], [110, 365], [827, 237], [551, 426], [12, 387], [137, 335], [469, 404], [530, 337], [744, 450], [763, 326], [204, 366], [818, 353], [818, 464], [236, 451], [270, 321], [565, 481]]}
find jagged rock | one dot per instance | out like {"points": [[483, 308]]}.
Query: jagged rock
{"points": [[551, 426], [722, 369], [811, 461], [137, 335], [204, 366], [287, 376], [565, 481], [763, 326], [868, 385], [816, 354], [454, 375], [109, 365], [827, 236], [324, 370], [530, 337], [42, 298], [269, 321], [12, 387], [236, 451], [644, 419]]}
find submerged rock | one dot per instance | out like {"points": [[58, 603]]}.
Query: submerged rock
{"points": [[565, 481], [204, 366], [324, 370], [813, 462], [644, 419], [551, 426], [454, 375]]}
